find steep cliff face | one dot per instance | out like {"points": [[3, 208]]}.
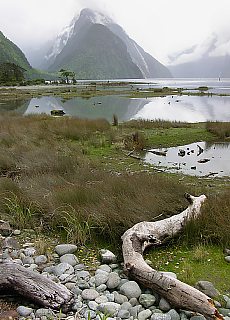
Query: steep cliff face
{"points": [[9, 52], [95, 47]]}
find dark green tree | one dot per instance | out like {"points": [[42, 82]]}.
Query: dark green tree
{"points": [[11, 73], [67, 75]]}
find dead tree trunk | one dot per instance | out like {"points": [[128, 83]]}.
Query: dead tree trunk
{"points": [[144, 234], [34, 286]]}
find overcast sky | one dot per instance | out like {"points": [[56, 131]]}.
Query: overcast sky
{"points": [[161, 27]]}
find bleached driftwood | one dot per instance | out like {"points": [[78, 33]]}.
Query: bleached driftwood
{"points": [[144, 234], [34, 286]]}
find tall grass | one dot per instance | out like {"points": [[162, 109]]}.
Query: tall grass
{"points": [[214, 223], [48, 181], [157, 123], [220, 129]]}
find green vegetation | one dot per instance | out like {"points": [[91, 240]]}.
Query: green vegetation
{"points": [[193, 263], [9, 52], [11, 74], [73, 177], [220, 129]]}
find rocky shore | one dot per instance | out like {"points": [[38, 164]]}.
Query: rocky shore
{"points": [[102, 293]]}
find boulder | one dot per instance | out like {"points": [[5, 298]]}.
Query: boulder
{"points": [[62, 249], [207, 288], [130, 289]]}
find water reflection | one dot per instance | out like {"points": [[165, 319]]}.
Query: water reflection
{"points": [[198, 159], [173, 108], [187, 108]]}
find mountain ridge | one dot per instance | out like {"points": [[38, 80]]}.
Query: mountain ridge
{"points": [[71, 41]]}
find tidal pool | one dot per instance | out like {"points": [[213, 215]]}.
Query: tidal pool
{"points": [[197, 159]]}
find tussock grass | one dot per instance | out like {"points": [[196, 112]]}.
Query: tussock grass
{"points": [[48, 181], [220, 129], [213, 226], [157, 123]]}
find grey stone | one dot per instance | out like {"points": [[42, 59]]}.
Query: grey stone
{"points": [[44, 312], [70, 285], [113, 280], [79, 267], [70, 259], [63, 268], [126, 306], [164, 305], [123, 314], [49, 269], [110, 308], [174, 315], [16, 232], [134, 311], [114, 266], [101, 299], [24, 311], [157, 311], [107, 256], [183, 316], [145, 314], [225, 312], [101, 288], [101, 278], [147, 300], [29, 252], [62, 249], [160, 316], [122, 282], [85, 275], [76, 291], [82, 284], [227, 300], [217, 304], [105, 267], [119, 298], [207, 288], [110, 297], [89, 294], [10, 242], [5, 229], [130, 289], [198, 318], [77, 305], [93, 305], [227, 258], [42, 259], [90, 314], [28, 260], [133, 302]]}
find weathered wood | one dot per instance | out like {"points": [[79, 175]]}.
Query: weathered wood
{"points": [[144, 234], [34, 286]]}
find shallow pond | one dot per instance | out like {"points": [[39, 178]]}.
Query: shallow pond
{"points": [[174, 108], [197, 159]]}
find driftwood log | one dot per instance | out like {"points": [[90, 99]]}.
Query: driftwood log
{"points": [[144, 234], [34, 286]]}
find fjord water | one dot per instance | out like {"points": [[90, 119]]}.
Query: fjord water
{"points": [[190, 108]]}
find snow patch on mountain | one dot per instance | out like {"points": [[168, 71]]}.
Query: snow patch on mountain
{"points": [[61, 40]]}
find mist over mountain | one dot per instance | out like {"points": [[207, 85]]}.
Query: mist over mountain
{"points": [[11, 53], [209, 59], [95, 47]]}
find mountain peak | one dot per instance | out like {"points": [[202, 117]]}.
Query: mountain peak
{"points": [[95, 16]]}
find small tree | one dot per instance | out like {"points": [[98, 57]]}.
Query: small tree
{"points": [[66, 74]]}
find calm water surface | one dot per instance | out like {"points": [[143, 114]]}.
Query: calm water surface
{"points": [[178, 108], [213, 161]]}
